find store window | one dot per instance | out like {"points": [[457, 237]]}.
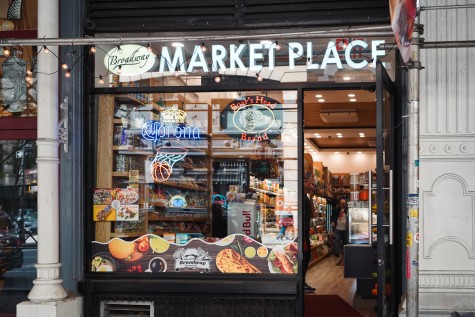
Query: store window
{"points": [[196, 182], [18, 221]]}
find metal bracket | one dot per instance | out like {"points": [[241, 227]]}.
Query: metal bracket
{"points": [[63, 124]]}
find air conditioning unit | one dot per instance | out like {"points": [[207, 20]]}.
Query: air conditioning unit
{"points": [[339, 115]]}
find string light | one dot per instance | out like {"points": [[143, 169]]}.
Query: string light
{"points": [[176, 72], [149, 47], [278, 47], [259, 77], [217, 78], [67, 74], [45, 49], [370, 63], [93, 49], [64, 66], [119, 70], [119, 48], [28, 79], [203, 47], [309, 61], [6, 52], [101, 80]]}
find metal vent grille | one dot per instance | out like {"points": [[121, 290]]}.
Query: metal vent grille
{"points": [[127, 309], [192, 15]]}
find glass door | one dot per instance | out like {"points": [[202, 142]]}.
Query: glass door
{"points": [[385, 92]]}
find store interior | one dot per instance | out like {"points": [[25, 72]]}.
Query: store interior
{"points": [[340, 141]]}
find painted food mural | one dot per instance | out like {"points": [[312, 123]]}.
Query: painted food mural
{"points": [[233, 254]]}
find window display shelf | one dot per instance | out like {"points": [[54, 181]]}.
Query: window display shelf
{"points": [[266, 191]]}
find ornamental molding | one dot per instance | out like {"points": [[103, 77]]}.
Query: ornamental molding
{"points": [[458, 148], [466, 240], [462, 280]]}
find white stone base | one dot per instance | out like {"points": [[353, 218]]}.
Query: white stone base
{"points": [[442, 304], [70, 306]]}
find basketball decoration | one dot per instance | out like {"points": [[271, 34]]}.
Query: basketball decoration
{"points": [[161, 171], [162, 165]]}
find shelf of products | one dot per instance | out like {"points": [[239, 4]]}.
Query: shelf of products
{"points": [[320, 230]]}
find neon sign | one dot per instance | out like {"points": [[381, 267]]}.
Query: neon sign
{"points": [[153, 130], [254, 118], [162, 164]]}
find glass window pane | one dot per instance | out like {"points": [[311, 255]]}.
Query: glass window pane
{"points": [[197, 175], [18, 221]]}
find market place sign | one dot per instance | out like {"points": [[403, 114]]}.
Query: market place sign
{"points": [[135, 59], [254, 118]]}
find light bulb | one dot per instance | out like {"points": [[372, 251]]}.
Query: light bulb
{"points": [[93, 49], [29, 72], [217, 78], [345, 45], [28, 79], [203, 47], [309, 61], [370, 63], [259, 77], [45, 49], [6, 52], [149, 47], [119, 70], [176, 72], [64, 66], [101, 80], [67, 74], [278, 47]]}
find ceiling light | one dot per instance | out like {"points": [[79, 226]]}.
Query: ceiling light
{"points": [[178, 44], [346, 78], [359, 152], [319, 96], [339, 136], [318, 136], [305, 144], [351, 95], [321, 100], [352, 100], [308, 147], [337, 152]]}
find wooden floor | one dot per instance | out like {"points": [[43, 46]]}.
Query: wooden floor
{"points": [[328, 279]]}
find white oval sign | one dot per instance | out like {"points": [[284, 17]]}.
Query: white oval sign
{"points": [[129, 60]]}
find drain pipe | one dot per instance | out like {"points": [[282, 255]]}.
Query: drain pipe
{"points": [[412, 236]]}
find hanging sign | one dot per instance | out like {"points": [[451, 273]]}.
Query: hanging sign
{"points": [[403, 15], [255, 118], [129, 60]]}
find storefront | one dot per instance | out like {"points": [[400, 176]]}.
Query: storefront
{"points": [[196, 168]]}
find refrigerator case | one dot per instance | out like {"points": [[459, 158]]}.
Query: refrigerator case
{"points": [[359, 222]]}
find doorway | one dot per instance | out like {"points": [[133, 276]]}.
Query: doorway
{"points": [[349, 139]]}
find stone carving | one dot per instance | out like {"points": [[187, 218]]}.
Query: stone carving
{"points": [[449, 206]]}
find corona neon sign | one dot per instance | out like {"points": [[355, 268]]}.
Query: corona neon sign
{"points": [[153, 130]]}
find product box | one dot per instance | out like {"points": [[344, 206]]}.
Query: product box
{"points": [[169, 236], [181, 238]]}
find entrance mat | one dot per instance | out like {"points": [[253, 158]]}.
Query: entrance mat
{"points": [[328, 306]]}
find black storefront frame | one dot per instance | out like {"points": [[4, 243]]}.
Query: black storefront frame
{"points": [[96, 288]]}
